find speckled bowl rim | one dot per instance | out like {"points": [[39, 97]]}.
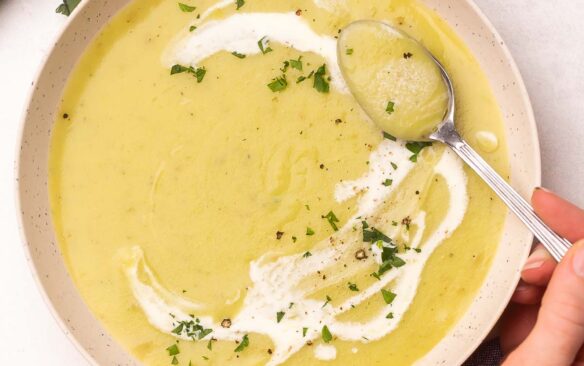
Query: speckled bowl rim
{"points": [[88, 335]]}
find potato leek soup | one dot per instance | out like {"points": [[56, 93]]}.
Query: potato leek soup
{"points": [[220, 197]]}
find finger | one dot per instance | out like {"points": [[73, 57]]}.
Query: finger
{"points": [[516, 324], [559, 331], [539, 267], [527, 294], [563, 217]]}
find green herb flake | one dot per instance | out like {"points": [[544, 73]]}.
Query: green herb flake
{"points": [[198, 73], [278, 84], [300, 79], [306, 255], [177, 69], [279, 316], [349, 51], [309, 231], [332, 220], [239, 4], [389, 316], [376, 275], [326, 334], [388, 296], [173, 350], [296, 64], [394, 165], [186, 8], [243, 344], [264, 45], [353, 287], [174, 361], [210, 344], [320, 82], [388, 182], [67, 7], [304, 330], [416, 147], [328, 299], [389, 137], [237, 54], [390, 107], [192, 28]]}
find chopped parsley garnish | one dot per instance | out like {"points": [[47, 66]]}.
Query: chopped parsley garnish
{"points": [[264, 45], [320, 82], [349, 51], [306, 255], [285, 66], [278, 84], [210, 344], [304, 330], [300, 79], [326, 334], [186, 8], [332, 220], [239, 4], [394, 165], [376, 275], [389, 137], [198, 73], [388, 182], [372, 235], [417, 250], [192, 28], [173, 350], [280, 315], [389, 316], [416, 148], [307, 207], [390, 107], [296, 64], [67, 7], [243, 344], [191, 329], [328, 299], [237, 54], [353, 287], [309, 231], [174, 361], [388, 296]]}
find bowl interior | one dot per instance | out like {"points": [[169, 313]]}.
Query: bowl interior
{"points": [[44, 255]]}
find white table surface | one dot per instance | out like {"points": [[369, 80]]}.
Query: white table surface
{"points": [[544, 36]]}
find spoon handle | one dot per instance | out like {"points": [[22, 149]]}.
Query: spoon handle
{"points": [[556, 245]]}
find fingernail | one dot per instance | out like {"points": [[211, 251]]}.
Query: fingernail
{"points": [[536, 259], [578, 262]]}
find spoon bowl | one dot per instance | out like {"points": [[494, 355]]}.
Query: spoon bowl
{"points": [[442, 130]]}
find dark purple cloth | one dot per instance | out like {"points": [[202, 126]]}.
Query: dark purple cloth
{"points": [[488, 354]]}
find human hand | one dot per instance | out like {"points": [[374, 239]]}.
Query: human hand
{"points": [[544, 325]]}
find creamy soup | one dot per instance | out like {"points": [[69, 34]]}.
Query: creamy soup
{"points": [[220, 198]]}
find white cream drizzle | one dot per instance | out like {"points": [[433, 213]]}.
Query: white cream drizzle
{"points": [[278, 282], [241, 33]]}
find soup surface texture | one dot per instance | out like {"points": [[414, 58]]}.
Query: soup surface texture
{"points": [[220, 198]]}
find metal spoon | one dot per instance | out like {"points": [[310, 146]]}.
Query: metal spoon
{"points": [[446, 133]]}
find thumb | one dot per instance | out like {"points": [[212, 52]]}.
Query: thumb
{"points": [[558, 334]]}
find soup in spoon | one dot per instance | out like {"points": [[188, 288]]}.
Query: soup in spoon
{"points": [[394, 79]]}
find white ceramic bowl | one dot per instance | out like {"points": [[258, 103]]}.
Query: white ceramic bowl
{"points": [[48, 266]]}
